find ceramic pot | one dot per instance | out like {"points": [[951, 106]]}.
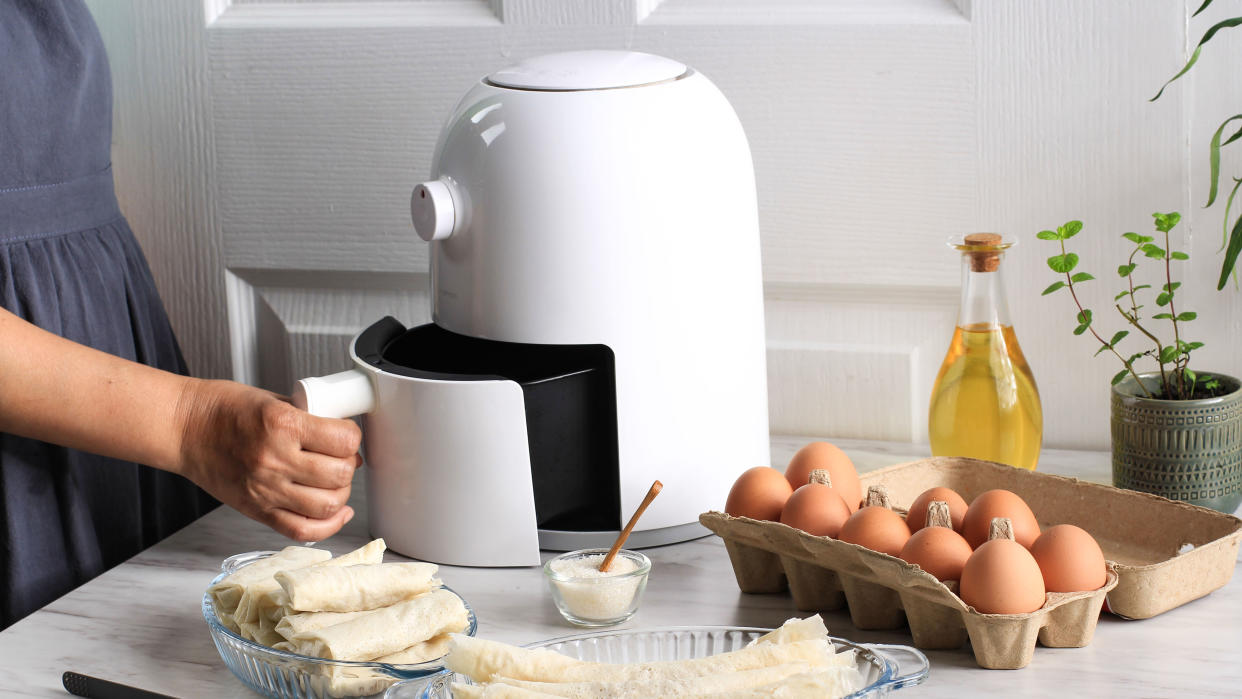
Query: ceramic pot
{"points": [[1188, 450]]}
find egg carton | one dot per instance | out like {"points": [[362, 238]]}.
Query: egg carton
{"points": [[884, 592], [1160, 554]]}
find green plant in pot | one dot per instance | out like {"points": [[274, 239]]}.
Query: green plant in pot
{"points": [[1175, 432]]}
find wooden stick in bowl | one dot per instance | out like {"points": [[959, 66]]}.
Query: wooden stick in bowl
{"points": [[656, 487]]}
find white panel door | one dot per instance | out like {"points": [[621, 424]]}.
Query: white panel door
{"points": [[265, 154]]}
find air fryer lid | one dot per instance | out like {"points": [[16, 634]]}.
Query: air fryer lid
{"points": [[569, 392]]}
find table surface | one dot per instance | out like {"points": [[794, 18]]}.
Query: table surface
{"points": [[139, 623]]}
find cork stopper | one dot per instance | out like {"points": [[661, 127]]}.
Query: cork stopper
{"points": [[877, 496], [1001, 528], [821, 476], [983, 260], [938, 515]]}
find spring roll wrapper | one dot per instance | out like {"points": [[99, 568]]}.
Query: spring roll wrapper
{"points": [[707, 685], [226, 594], [355, 588], [270, 602], [483, 660], [387, 630], [296, 623]]}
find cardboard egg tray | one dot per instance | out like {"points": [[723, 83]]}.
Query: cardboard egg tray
{"points": [[1160, 553]]}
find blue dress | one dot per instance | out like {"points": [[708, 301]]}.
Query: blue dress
{"points": [[70, 264]]}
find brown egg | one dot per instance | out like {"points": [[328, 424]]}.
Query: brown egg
{"points": [[816, 508], [999, 503], [1070, 558], [916, 518], [877, 528], [937, 550], [759, 493], [1001, 577], [830, 458]]}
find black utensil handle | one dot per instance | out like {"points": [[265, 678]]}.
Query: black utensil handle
{"points": [[95, 688]]}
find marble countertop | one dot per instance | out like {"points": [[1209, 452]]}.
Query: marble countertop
{"points": [[139, 623]]}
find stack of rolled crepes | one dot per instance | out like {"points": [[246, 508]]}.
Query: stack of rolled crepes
{"points": [[353, 607], [796, 660]]}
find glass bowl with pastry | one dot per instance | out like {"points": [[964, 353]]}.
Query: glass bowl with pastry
{"points": [[799, 659], [796, 659], [300, 623]]}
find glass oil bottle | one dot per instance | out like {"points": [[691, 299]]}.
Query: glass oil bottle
{"points": [[985, 403]]}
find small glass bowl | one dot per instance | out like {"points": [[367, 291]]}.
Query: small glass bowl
{"points": [[601, 599]]}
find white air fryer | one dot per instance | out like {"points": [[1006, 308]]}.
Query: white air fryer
{"points": [[598, 320]]}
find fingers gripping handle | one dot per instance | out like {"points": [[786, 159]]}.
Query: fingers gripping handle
{"points": [[346, 394]]}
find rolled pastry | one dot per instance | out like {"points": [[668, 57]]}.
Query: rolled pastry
{"points": [[706, 685], [388, 630], [483, 660], [303, 622], [795, 630], [270, 603], [226, 594], [355, 588], [421, 652]]}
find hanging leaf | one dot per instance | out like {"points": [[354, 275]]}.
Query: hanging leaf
{"points": [[1231, 254], [1081, 277], [1177, 255], [1171, 287], [1048, 235], [1103, 348], [1207, 36], [1052, 287], [1214, 156], [1063, 263], [1125, 270], [1084, 316], [1168, 353], [1119, 376], [1202, 7], [1164, 298], [1187, 316], [1224, 226]]}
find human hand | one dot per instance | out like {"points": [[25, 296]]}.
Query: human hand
{"points": [[252, 450]]}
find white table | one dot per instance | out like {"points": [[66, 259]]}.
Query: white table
{"points": [[139, 624]]}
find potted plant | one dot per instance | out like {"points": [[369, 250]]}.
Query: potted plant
{"points": [[1175, 432]]}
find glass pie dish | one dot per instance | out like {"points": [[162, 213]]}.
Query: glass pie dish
{"points": [[884, 667], [281, 674]]}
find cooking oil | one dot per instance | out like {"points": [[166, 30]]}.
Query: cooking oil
{"points": [[985, 403]]}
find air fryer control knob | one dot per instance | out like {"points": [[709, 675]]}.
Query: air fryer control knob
{"points": [[435, 210]]}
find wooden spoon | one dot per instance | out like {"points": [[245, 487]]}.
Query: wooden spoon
{"points": [[625, 533]]}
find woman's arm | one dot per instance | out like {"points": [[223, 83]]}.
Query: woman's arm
{"points": [[247, 447]]}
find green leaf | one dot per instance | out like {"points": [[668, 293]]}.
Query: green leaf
{"points": [[1171, 287], [1081, 277], [1214, 154], [1052, 287], [1202, 7], [1187, 316], [1081, 329], [1166, 222], [1164, 298], [1211, 384], [1119, 376], [1103, 348], [1063, 263], [1142, 286], [1134, 238], [1179, 255], [1084, 316], [1190, 376], [1047, 235], [1168, 353], [1118, 296], [1117, 337], [1207, 36], [1162, 316], [1137, 355], [1070, 229], [1231, 254], [1153, 251], [1125, 270], [1191, 346], [1224, 226]]}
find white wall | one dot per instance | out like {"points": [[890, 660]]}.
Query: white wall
{"points": [[265, 153]]}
